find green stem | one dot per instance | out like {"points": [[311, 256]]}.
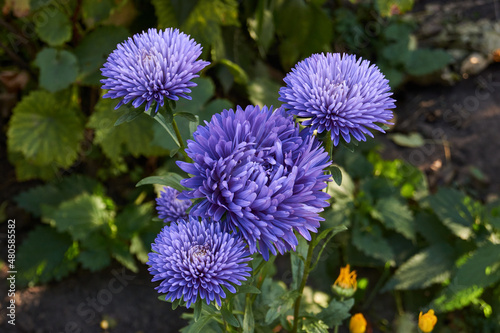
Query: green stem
{"points": [[307, 269], [336, 330], [179, 138]]}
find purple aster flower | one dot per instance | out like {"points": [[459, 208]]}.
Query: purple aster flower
{"points": [[339, 94], [169, 208], [258, 175], [194, 259], [152, 66]]}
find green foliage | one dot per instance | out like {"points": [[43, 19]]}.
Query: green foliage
{"points": [[58, 69], [45, 130], [55, 30]]}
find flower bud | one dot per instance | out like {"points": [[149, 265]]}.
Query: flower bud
{"points": [[427, 321], [345, 285], [357, 324]]}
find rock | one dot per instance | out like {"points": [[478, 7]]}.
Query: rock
{"points": [[474, 64]]}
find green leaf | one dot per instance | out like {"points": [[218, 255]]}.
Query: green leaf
{"points": [[27, 169], [58, 68], [412, 140], [239, 74], [134, 138], [95, 48], [345, 191], [313, 325], [96, 10], [198, 326], [280, 306], [372, 243], [229, 317], [80, 216], [129, 115], [43, 256], [94, 254], [449, 207], [248, 289], [450, 299], [426, 61], [55, 30], [189, 116], [248, 319], [120, 251], [132, 219], [261, 26], [430, 266], [395, 215], [165, 13], [336, 174], [55, 193], [336, 312], [263, 91], [197, 309], [482, 268], [44, 131], [169, 179]]}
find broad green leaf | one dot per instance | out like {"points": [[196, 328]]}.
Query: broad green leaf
{"points": [[336, 312], [95, 48], [426, 61], [96, 10], [372, 243], [431, 229], [132, 219], [55, 30], [120, 251], [169, 179], [80, 216], [395, 215], [138, 248], [27, 170], [44, 132], [263, 91], [55, 193], [412, 140], [394, 7], [43, 256], [432, 265], [58, 68], [129, 138], [94, 254], [482, 268], [449, 207]]}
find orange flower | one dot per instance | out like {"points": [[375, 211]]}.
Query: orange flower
{"points": [[357, 324], [346, 283], [427, 321]]}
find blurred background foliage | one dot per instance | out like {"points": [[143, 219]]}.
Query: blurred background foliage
{"points": [[81, 170]]}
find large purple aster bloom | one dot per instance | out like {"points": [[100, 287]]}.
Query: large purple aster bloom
{"points": [[193, 259], [257, 174], [152, 66], [169, 207], [338, 94]]}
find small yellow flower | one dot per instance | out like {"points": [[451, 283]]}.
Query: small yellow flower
{"points": [[346, 283], [427, 321], [357, 324]]}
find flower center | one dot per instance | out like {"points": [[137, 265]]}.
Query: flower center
{"points": [[198, 252]]}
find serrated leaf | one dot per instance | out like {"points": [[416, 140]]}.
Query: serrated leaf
{"points": [[55, 193], [80, 216], [313, 325], [432, 265], [94, 254], [482, 268], [426, 61], [55, 30], [36, 266], [135, 137], [94, 49], [449, 207], [336, 312], [412, 140], [169, 179], [132, 219], [58, 68], [395, 215], [27, 170], [372, 243], [43, 132]]}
